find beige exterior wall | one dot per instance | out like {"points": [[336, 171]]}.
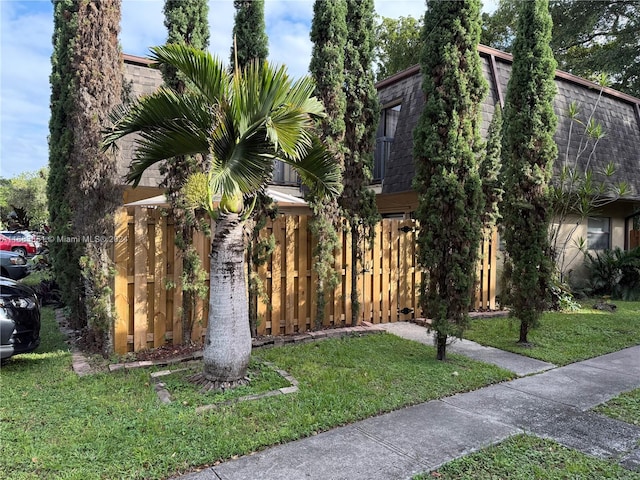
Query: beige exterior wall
{"points": [[572, 236]]}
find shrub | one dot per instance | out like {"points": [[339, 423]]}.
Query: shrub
{"points": [[615, 272]]}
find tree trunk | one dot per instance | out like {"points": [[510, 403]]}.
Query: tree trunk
{"points": [[524, 330], [441, 345], [228, 344]]}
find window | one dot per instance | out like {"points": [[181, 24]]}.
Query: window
{"points": [[386, 132], [598, 233]]}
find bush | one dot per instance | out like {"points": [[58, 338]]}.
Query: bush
{"points": [[615, 272]]}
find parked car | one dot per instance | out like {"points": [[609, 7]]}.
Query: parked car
{"points": [[23, 242], [19, 319], [13, 265]]}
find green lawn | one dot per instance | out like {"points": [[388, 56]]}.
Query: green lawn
{"points": [[54, 424], [625, 407], [565, 338], [526, 457]]}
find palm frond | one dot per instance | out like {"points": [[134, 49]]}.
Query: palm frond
{"points": [[207, 73], [318, 170], [169, 125]]}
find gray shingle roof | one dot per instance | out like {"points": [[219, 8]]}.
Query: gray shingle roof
{"points": [[618, 113]]}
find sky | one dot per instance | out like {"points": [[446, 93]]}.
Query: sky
{"points": [[26, 28]]}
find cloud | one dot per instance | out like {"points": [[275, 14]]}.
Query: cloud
{"points": [[27, 26], [24, 97]]}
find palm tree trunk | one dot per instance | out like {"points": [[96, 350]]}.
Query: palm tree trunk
{"points": [[228, 344]]}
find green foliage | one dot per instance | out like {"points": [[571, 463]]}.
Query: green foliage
{"points": [[625, 407], [55, 421], [589, 37], [490, 166], [232, 133], [187, 24], [595, 37], [565, 337], [249, 33], [362, 114], [93, 180], [447, 149], [326, 242], [23, 201], [524, 457], [615, 272], [65, 256], [263, 378], [329, 37], [498, 28], [397, 45], [528, 154], [579, 190]]}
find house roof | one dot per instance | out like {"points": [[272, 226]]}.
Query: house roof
{"points": [[618, 113]]}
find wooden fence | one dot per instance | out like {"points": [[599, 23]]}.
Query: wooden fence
{"points": [[148, 295]]}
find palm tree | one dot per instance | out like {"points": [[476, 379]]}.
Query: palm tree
{"points": [[242, 122]]}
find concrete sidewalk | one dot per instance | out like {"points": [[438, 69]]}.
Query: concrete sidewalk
{"points": [[554, 404]]}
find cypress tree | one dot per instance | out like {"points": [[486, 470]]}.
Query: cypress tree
{"points": [[249, 32], [187, 23], [328, 34], [65, 256], [447, 150], [250, 38], [98, 68], [528, 154], [492, 190], [361, 118]]}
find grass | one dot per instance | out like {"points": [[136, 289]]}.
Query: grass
{"points": [[525, 457], [625, 407], [56, 425], [564, 338], [263, 379]]}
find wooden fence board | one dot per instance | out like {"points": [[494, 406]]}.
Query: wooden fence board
{"points": [[141, 308], [149, 314], [121, 286]]}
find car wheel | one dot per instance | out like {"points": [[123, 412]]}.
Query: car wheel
{"points": [[21, 250]]}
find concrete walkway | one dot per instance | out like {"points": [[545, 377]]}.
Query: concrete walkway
{"points": [[518, 364], [553, 404]]}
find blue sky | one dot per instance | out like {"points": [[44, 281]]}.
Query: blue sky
{"points": [[25, 58]]}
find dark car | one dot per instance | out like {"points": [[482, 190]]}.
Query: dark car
{"points": [[13, 265], [19, 319]]}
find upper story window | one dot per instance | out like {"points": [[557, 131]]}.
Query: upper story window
{"points": [[386, 132], [284, 174], [598, 233]]}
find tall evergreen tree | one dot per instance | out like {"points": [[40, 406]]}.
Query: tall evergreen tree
{"points": [[361, 118], [447, 151], [249, 33], [187, 24], [250, 38], [98, 68], [329, 37], [490, 166], [65, 256], [528, 154]]}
